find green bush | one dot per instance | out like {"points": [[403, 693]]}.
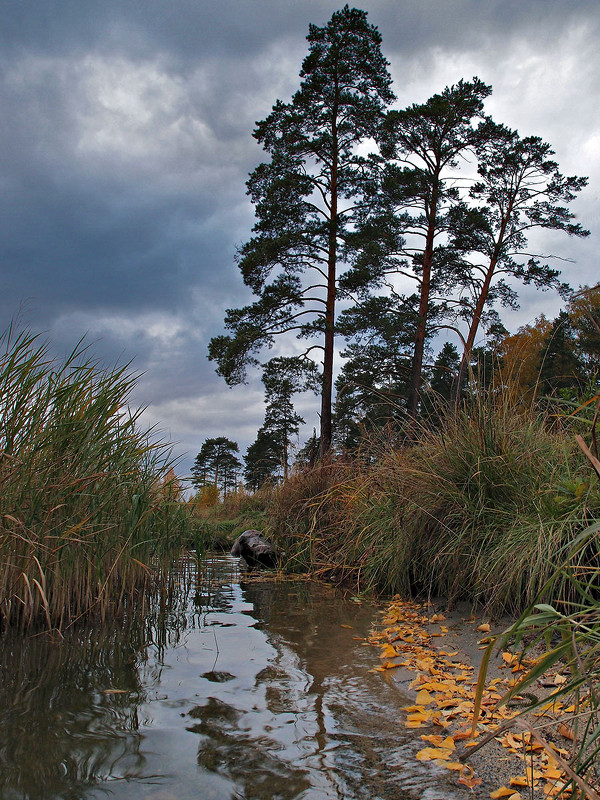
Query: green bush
{"points": [[474, 510]]}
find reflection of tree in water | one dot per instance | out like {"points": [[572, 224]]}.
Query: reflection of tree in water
{"points": [[250, 748], [63, 727], [249, 761], [350, 731]]}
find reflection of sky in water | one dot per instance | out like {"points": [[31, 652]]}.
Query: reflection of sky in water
{"points": [[252, 691]]}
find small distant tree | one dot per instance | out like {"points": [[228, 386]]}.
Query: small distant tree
{"points": [[444, 370], [262, 460], [282, 379], [216, 463], [229, 474], [309, 452], [206, 497], [560, 366]]}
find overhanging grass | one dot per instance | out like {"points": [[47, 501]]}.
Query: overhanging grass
{"points": [[476, 510]]}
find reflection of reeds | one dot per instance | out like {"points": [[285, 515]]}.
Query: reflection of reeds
{"points": [[71, 711], [83, 507], [477, 509]]}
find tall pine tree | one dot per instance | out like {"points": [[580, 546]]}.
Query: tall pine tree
{"points": [[306, 199], [425, 142]]}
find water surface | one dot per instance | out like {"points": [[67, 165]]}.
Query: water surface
{"points": [[224, 689]]}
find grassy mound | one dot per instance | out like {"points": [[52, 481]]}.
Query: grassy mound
{"points": [[475, 510]]}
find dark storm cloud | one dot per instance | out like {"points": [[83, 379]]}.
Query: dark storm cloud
{"points": [[125, 142]]}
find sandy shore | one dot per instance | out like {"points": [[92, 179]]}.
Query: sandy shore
{"points": [[436, 644]]}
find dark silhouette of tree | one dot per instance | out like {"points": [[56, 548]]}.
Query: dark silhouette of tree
{"points": [[560, 366], [262, 460], [269, 455], [282, 379], [216, 464], [309, 453], [444, 369], [519, 189], [374, 380], [307, 199]]}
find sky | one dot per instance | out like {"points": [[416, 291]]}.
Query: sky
{"points": [[126, 141]]}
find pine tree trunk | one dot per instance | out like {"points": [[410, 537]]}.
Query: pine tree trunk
{"points": [[327, 389], [417, 362], [479, 306], [477, 314]]}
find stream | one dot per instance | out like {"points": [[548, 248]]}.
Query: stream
{"points": [[226, 688]]}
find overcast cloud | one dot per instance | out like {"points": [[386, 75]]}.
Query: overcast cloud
{"points": [[125, 144]]}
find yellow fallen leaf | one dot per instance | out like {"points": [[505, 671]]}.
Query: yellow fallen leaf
{"points": [[433, 738], [388, 652], [420, 716], [552, 774], [432, 753], [413, 724], [438, 618], [423, 698], [518, 780], [484, 627], [454, 765], [503, 791]]}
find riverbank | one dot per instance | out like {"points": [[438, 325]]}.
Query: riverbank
{"points": [[434, 657]]}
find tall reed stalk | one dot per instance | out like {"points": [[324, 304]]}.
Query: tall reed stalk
{"points": [[83, 511]]}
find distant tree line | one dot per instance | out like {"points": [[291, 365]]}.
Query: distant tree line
{"points": [[380, 253]]}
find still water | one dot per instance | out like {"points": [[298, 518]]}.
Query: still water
{"points": [[223, 689]]}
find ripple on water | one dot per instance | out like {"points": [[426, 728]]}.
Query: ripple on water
{"points": [[233, 689]]}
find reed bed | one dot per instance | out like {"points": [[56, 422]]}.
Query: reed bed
{"points": [[86, 514], [475, 510]]}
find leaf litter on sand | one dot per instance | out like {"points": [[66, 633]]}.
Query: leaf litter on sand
{"points": [[446, 702]]}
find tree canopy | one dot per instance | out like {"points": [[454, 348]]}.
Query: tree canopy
{"points": [[217, 464], [380, 253]]}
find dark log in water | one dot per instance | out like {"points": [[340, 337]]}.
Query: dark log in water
{"points": [[254, 549]]}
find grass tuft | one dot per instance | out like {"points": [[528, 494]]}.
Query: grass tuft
{"points": [[475, 510]]}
